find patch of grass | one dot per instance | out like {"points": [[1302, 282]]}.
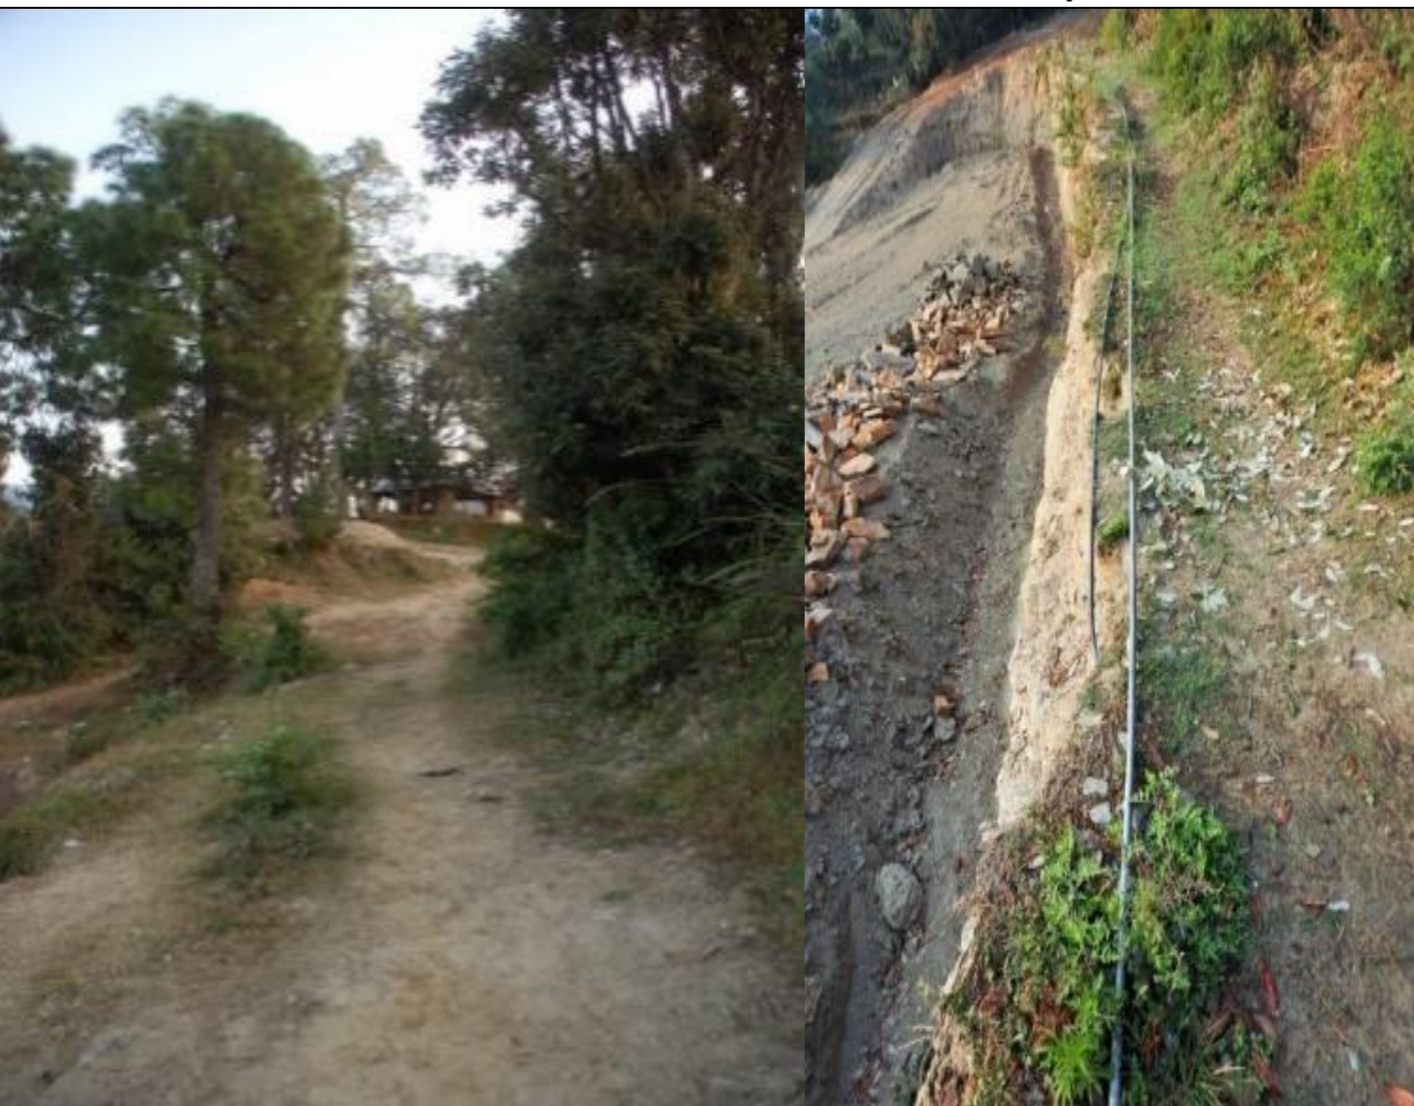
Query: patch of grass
{"points": [[1180, 685], [30, 834], [283, 797], [1038, 1004], [1113, 530], [1385, 459]]}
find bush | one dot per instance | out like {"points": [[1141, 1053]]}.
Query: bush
{"points": [[1040, 999], [534, 572], [1268, 139], [1203, 57], [287, 653], [1367, 223], [282, 798]]}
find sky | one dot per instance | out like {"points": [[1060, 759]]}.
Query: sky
{"points": [[326, 77]]}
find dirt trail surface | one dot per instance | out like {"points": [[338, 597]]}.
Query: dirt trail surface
{"points": [[458, 956], [964, 168]]}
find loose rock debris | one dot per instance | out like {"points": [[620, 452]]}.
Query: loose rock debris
{"points": [[961, 320]]}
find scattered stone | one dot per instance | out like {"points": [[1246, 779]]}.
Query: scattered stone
{"points": [[1100, 814], [1313, 851], [818, 584], [945, 730], [1095, 788], [865, 528], [485, 795], [858, 465], [900, 896]]}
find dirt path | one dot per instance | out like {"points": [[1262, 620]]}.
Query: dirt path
{"points": [[459, 957]]}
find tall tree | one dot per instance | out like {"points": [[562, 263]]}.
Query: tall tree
{"points": [[223, 267], [37, 279]]}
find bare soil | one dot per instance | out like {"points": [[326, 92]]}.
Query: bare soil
{"points": [[456, 955], [966, 167]]}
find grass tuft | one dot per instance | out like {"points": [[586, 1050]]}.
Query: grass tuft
{"points": [[283, 799]]}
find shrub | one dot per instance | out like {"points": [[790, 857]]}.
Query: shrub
{"points": [[282, 798], [287, 653], [534, 570], [1203, 57], [1039, 997], [1367, 223], [1267, 141]]}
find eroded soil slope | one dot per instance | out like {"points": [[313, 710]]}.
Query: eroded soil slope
{"points": [[965, 168]]}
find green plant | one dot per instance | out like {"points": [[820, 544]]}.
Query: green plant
{"points": [[1267, 140], [1038, 1001], [1385, 458], [282, 797], [317, 516], [1112, 531], [287, 653], [1366, 216]]}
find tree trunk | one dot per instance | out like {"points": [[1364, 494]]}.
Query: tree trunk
{"points": [[206, 552]]}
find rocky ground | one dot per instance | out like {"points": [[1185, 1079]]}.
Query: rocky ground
{"points": [[924, 459]]}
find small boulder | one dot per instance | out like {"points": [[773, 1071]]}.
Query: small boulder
{"points": [[900, 896]]}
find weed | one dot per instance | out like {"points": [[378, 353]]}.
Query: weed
{"points": [[29, 835], [1039, 1002], [282, 798], [1385, 458], [1112, 531]]}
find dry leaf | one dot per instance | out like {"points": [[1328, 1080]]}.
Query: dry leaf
{"points": [[1283, 811], [1398, 1096], [818, 673], [1271, 998]]}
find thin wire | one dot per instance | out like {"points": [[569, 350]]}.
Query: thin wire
{"points": [[1117, 1036]]}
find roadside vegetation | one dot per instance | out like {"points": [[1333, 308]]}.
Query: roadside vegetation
{"points": [[642, 353], [1273, 348]]}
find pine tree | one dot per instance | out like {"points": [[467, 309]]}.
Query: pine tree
{"points": [[221, 267]]}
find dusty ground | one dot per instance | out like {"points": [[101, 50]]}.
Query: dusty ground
{"points": [[456, 956], [962, 168]]}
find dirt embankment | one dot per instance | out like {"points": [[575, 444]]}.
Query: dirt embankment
{"points": [[965, 168]]}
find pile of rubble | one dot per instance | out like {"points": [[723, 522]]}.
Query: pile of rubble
{"points": [[963, 315], [857, 407]]}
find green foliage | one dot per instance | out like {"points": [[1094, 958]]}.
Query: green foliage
{"points": [[286, 653], [1040, 996], [534, 570], [1385, 459], [282, 799], [1203, 57], [1366, 217], [639, 355], [318, 515], [1266, 144], [1113, 530]]}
